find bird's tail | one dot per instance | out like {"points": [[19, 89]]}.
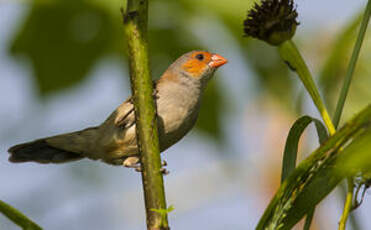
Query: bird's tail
{"points": [[57, 149], [40, 151]]}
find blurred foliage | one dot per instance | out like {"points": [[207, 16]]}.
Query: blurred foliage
{"points": [[211, 111], [63, 39], [274, 76], [335, 65]]}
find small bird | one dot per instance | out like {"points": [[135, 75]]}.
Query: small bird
{"points": [[178, 98]]}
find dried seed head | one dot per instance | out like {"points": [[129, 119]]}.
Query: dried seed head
{"points": [[273, 21]]}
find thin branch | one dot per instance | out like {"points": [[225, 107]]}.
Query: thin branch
{"points": [[347, 205], [135, 25]]}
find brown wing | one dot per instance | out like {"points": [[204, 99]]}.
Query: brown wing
{"points": [[124, 115]]}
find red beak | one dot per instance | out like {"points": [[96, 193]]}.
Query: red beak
{"points": [[217, 61]]}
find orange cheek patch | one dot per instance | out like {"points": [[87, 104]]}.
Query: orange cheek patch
{"points": [[194, 67]]}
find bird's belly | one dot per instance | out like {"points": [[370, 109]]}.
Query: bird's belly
{"points": [[175, 127]]}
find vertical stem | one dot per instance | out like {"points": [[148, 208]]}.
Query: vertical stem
{"points": [[352, 64], [135, 25], [348, 205], [352, 218]]}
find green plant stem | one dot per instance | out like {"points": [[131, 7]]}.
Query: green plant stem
{"points": [[17, 217], [291, 55], [348, 204], [135, 26], [352, 65], [352, 217]]}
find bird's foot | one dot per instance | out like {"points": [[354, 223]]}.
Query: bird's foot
{"points": [[134, 163], [164, 171], [138, 168], [155, 94]]}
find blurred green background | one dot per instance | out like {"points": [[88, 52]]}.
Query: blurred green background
{"points": [[63, 67]]}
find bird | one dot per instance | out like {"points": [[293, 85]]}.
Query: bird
{"points": [[178, 96]]}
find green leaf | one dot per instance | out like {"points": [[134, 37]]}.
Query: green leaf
{"points": [[359, 161], [341, 156], [292, 142], [308, 220], [17, 217], [63, 39], [163, 213]]}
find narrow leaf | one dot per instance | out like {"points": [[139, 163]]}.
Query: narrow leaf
{"points": [[292, 142], [308, 220], [17, 217], [352, 64]]}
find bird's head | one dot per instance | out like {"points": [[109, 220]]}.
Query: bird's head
{"points": [[195, 66]]}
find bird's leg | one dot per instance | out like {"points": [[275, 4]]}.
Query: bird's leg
{"points": [[155, 91], [132, 162], [164, 171], [155, 95]]}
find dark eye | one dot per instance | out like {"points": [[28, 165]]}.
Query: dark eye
{"points": [[200, 57]]}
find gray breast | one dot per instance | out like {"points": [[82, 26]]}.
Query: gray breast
{"points": [[177, 107]]}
